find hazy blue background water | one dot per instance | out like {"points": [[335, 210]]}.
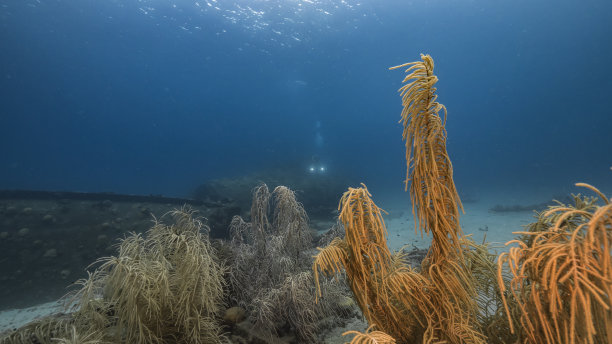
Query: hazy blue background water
{"points": [[157, 96]]}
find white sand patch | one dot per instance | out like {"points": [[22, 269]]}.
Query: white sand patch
{"points": [[477, 220], [498, 227], [15, 318]]}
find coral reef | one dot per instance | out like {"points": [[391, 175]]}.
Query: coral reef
{"points": [[562, 274], [164, 287], [554, 287], [270, 274], [395, 298], [436, 205], [437, 303]]}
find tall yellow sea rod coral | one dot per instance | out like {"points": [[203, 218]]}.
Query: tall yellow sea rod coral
{"points": [[429, 173], [562, 274], [436, 205], [438, 304]]}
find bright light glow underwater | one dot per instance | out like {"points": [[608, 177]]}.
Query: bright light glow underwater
{"points": [[317, 169]]}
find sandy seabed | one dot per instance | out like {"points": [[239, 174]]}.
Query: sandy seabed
{"points": [[15, 318]]}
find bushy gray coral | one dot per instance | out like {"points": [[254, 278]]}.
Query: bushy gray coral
{"points": [[270, 273]]}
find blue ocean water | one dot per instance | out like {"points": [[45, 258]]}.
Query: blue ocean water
{"points": [[158, 96]]}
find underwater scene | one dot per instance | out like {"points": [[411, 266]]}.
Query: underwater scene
{"points": [[305, 171]]}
